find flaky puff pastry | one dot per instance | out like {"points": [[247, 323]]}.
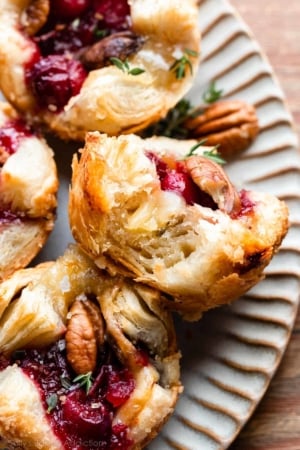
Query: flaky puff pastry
{"points": [[204, 251], [37, 308], [28, 188], [110, 100]]}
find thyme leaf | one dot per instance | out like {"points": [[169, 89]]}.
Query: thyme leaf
{"points": [[171, 125], [125, 67], [85, 380], [211, 154], [100, 33], [180, 65], [214, 155], [212, 94], [51, 402], [194, 148]]}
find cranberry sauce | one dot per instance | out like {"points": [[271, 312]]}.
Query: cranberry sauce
{"points": [[174, 177], [72, 26], [11, 133], [80, 409]]}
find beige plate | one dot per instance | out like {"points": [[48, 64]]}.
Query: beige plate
{"points": [[230, 357]]}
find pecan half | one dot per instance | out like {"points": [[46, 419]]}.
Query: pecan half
{"points": [[35, 16], [211, 178], [118, 45], [230, 124], [84, 336]]}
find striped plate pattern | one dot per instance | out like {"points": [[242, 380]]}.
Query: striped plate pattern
{"points": [[230, 356]]}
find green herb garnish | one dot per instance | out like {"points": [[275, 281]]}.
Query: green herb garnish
{"points": [[171, 125], [194, 148], [125, 67], [100, 33], [212, 94], [212, 154], [180, 65], [85, 380], [51, 402]]}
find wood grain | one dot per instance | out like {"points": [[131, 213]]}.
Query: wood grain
{"points": [[276, 423]]}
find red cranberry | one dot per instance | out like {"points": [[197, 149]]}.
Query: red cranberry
{"points": [[55, 79], [91, 417], [115, 12], [11, 133], [177, 179], [69, 9], [120, 386]]}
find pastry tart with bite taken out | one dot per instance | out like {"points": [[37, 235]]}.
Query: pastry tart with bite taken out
{"points": [[87, 360], [164, 214], [108, 65], [28, 187]]}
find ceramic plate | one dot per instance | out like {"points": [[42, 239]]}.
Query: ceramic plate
{"points": [[230, 356]]}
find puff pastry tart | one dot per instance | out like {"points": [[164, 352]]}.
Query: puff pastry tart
{"points": [[169, 217], [108, 65], [28, 186], [87, 360]]}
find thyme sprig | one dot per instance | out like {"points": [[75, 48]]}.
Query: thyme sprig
{"points": [[85, 381], [125, 66], [172, 125], [211, 154], [212, 94], [180, 65]]}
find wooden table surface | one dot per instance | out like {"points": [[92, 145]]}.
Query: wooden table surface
{"points": [[276, 423]]}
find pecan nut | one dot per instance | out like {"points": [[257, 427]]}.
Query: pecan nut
{"points": [[212, 179], [35, 16], [230, 124], [84, 336], [118, 45]]}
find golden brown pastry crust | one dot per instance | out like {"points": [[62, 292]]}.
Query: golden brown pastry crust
{"points": [[28, 188], [124, 220], [110, 100], [34, 311]]}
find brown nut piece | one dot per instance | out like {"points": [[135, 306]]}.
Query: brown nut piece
{"points": [[230, 124], [211, 178], [84, 336], [119, 45], [35, 16]]}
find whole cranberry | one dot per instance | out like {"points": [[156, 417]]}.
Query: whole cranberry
{"points": [[55, 79], [90, 418], [68, 9], [114, 12]]}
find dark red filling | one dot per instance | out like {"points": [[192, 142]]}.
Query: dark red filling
{"points": [[81, 419], [177, 179], [174, 177], [57, 74], [11, 133]]}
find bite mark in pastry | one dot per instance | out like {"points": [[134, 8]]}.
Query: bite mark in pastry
{"points": [[47, 399], [112, 66], [28, 187], [146, 209]]}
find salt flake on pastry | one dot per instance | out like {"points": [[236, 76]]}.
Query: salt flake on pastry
{"points": [[86, 360], [146, 209], [112, 66], [28, 187]]}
